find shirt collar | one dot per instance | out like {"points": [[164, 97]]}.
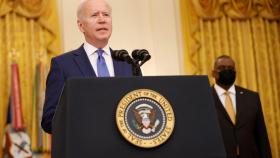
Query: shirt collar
{"points": [[220, 91], [90, 49]]}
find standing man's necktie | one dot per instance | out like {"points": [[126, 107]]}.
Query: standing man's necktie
{"points": [[229, 107], [102, 69], [231, 113]]}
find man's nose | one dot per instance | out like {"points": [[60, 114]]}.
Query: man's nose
{"points": [[101, 18]]}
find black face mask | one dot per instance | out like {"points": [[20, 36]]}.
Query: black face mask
{"points": [[227, 77]]}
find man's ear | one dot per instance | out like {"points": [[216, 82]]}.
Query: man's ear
{"points": [[80, 26]]}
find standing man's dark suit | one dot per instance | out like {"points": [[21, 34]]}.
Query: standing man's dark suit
{"points": [[240, 114], [249, 133], [69, 65]]}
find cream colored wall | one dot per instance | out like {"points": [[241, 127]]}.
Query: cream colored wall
{"points": [[137, 24]]}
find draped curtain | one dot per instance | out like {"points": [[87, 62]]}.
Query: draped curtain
{"points": [[247, 30], [29, 34]]}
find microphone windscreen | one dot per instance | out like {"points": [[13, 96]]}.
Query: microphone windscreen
{"points": [[119, 54], [122, 55], [140, 54]]}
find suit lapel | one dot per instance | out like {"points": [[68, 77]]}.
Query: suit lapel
{"points": [[83, 63], [239, 107], [220, 106], [117, 66]]}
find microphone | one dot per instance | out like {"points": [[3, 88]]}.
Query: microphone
{"points": [[141, 55], [122, 55]]}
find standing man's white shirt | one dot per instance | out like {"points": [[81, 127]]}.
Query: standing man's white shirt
{"points": [[92, 55], [221, 93]]}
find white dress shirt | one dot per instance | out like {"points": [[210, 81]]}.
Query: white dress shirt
{"points": [[92, 55], [221, 94]]}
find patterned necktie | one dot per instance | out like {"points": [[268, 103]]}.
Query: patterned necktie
{"points": [[229, 107], [102, 69]]}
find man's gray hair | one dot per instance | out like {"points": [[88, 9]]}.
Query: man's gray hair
{"points": [[81, 6]]}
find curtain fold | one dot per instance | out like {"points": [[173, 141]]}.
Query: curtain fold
{"points": [[30, 29], [247, 30], [5, 7], [31, 8], [270, 9]]}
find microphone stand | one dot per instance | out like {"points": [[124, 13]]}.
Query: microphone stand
{"points": [[136, 68]]}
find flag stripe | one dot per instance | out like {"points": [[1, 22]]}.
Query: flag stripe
{"points": [[17, 118]]}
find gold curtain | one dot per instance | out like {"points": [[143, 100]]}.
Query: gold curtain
{"points": [[29, 28], [247, 30]]}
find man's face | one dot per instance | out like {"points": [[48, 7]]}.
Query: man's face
{"points": [[95, 21], [223, 64]]}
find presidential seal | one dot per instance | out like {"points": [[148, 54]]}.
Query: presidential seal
{"points": [[145, 118]]}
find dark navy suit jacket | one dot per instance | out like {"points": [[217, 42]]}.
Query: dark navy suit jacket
{"points": [[249, 132], [68, 65]]}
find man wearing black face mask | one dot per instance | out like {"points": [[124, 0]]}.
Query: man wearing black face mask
{"points": [[240, 114]]}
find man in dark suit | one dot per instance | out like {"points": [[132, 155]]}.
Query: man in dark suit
{"points": [[92, 59], [240, 114]]}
